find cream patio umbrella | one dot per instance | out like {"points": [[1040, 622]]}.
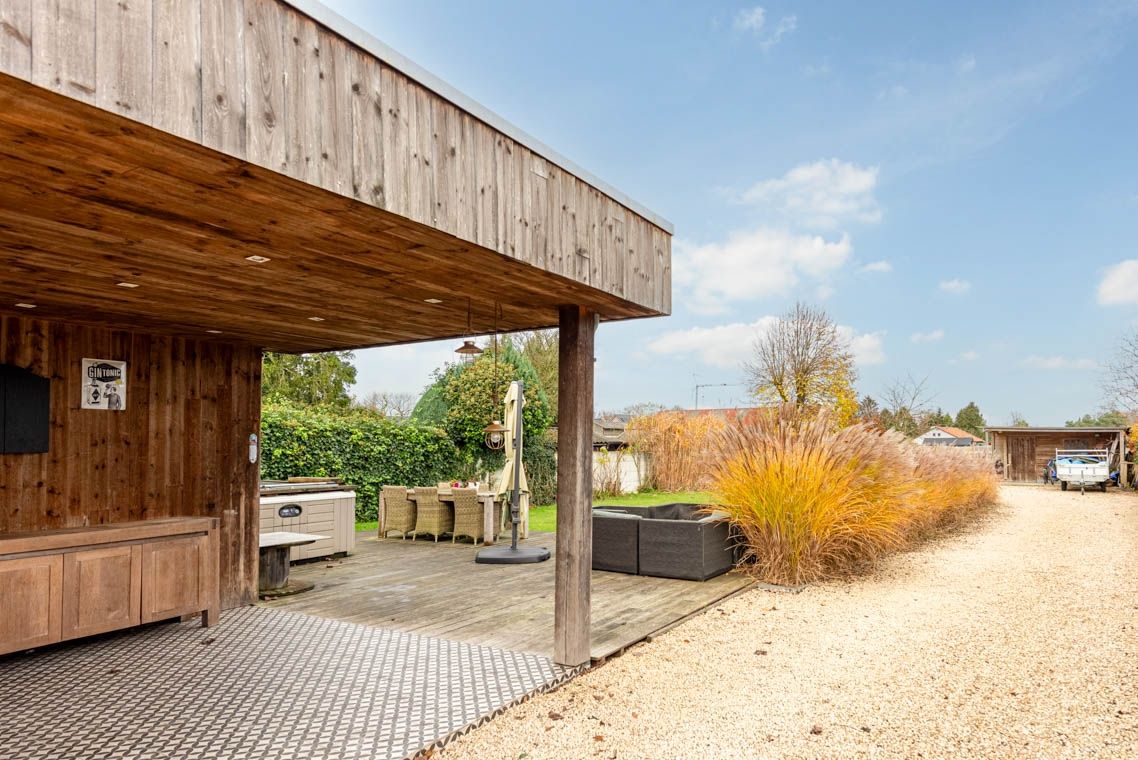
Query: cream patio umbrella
{"points": [[513, 452], [513, 482]]}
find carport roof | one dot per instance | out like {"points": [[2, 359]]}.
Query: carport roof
{"points": [[1010, 429]]}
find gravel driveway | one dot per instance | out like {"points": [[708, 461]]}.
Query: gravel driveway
{"points": [[1015, 639]]}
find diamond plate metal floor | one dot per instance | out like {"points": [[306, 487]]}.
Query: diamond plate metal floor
{"points": [[263, 684]]}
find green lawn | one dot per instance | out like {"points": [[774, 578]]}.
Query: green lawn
{"points": [[543, 519]]}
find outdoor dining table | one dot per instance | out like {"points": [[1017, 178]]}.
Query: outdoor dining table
{"points": [[487, 498]]}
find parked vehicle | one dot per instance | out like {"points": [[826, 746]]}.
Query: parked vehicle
{"points": [[1082, 468]]}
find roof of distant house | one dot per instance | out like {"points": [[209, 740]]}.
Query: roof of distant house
{"points": [[956, 432], [1094, 429]]}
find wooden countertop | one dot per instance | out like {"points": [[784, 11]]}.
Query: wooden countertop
{"points": [[68, 538]]}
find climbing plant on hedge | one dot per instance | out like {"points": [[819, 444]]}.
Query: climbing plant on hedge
{"points": [[363, 448]]}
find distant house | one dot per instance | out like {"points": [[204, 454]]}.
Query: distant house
{"points": [[610, 432], [944, 435]]}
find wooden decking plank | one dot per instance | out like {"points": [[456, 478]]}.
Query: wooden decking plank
{"points": [[438, 590]]}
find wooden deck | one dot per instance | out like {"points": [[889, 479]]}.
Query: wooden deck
{"points": [[438, 590]]}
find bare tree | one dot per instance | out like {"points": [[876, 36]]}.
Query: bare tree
{"points": [[1120, 379], [804, 359], [395, 405], [906, 403]]}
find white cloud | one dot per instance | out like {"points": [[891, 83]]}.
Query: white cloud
{"points": [[785, 26], [927, 337], [753, 264], [751, 19], [956, 287], [754, 21], [896, 92], [824, 291], [1119, 284], [720, 346], [882, 266], [726, 346], [817, 69], [867, 348], [1058, 363], [821, 195], [969, 356], [966, 63]]}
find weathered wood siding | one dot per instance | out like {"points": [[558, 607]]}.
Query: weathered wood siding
{"points": [[179, 448], [1026, 454], [260, 81]]}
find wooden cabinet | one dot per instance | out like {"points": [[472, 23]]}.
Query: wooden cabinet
{"points": [[61, 585], [167, 589], [32, 592], [101, 590]]}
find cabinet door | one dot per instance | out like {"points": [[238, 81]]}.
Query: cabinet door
{"points": [[172, 582], [101, 590], [31, 596]]}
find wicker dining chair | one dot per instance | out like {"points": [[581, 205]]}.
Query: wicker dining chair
{"points": [[399, 511], [468, 514], [432, 517]]}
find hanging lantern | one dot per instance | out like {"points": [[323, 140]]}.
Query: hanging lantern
{"points": [[468, 351], [495, 435]]}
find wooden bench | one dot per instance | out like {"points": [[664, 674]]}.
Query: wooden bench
{"points": [[64, 584], [274, 561]]}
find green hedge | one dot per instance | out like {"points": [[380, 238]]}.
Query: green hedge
{"points": [[540, 459], [366, 450]]}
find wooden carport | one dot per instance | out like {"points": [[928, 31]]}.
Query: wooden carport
{"points": [[1025, 451], [184, 184]]}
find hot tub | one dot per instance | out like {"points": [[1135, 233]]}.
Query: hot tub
{"points": [[323, 507]]}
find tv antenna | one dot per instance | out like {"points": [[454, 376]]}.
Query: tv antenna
{"points": [[699, 386]]}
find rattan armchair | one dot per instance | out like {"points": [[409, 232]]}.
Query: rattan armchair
{"points": [[432, 517], [398, 511], [468, 514]]}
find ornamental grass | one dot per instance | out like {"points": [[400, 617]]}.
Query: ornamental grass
{"points": [[814, 501]]}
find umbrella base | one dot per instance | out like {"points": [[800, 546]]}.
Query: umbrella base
{"points": [[508, 555]]}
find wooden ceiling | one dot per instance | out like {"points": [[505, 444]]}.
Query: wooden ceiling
{"points": [[90, 201]]}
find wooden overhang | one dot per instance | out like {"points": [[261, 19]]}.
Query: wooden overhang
{"points": [[152, 153]]}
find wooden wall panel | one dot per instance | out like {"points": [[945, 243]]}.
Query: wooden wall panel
{"points": [[16, 38], [265, 85], [485, 185], [223, 76], [302, 106], [334, 150], [261, 81], [63, 47], [177, 68], [124, 59], [367, 128], [396, 142], [180, 448]]}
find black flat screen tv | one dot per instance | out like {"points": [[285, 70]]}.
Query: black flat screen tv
{"points": [[25, 411]]}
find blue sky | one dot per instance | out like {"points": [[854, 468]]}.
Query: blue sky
{"points": [[957, 184]]}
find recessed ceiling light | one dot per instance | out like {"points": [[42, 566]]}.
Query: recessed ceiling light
{"points": [[432, 300], [214, 332], [258, 259], [25, 306], [316, 319], [127, 284]]}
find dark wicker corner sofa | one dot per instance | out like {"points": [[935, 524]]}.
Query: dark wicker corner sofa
{"points": [[668, 541]]}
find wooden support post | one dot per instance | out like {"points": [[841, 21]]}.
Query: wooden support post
{"points": [[574, 556], [1123, 465]]}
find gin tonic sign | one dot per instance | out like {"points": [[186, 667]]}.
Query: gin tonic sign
{"points": [[104, 384]]}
